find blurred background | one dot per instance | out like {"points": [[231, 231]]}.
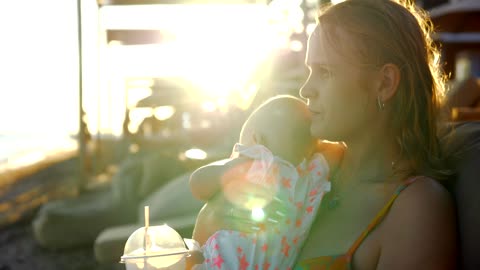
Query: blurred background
{"points": [[150, 69]]}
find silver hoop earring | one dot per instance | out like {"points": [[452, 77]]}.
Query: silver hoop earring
{"points": [[380, 104]]}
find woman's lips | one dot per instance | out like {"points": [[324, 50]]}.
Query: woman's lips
{"points": [[316, 114], [313, 112]]}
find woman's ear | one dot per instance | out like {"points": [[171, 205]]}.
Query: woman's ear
{"points": [[389, 81]]}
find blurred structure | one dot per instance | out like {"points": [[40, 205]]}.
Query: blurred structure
{"points": [[458, 27], [428, 4], [458, 33], [154, 2]]}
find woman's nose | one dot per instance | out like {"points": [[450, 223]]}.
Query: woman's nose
{"points": [[306, 90]]}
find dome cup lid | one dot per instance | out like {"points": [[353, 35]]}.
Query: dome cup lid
{"points": [[160, 241]]}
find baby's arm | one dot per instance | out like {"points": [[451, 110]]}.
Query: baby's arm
{"points": [[206, 181]]}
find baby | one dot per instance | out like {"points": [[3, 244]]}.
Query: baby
{"points": [[276, 136]]}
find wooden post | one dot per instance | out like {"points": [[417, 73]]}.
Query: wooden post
{"points": [[82, 147]]}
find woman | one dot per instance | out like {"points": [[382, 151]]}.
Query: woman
{"points": [[376, 86]]}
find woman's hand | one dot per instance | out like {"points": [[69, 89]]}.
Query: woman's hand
{"points": [[332, 151]]}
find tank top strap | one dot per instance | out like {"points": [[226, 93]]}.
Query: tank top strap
{"points": [[378, 218]]}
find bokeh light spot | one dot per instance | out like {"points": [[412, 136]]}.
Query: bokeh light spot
{"points": [[195, 153]]}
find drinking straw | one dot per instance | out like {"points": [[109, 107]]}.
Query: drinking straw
{"points": [[145, 236]]}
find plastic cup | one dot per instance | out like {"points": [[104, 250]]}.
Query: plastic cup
{"points": [[160, 248]]}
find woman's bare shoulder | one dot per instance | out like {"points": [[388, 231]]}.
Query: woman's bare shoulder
{"points": [[420, 229], [424, 194]]}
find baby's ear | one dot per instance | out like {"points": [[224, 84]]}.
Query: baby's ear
{"points": [[258, 138]]}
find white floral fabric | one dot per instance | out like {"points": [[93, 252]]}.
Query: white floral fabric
{"points": [[273, 247]]}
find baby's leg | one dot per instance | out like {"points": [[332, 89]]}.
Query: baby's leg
{"points": [[206, 225]]}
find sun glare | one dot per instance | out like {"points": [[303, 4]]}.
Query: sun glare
{"points": [[26, 159], [219, 48], [224, 52]]}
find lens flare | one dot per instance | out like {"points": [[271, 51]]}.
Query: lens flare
{"points": [[258, 214]]}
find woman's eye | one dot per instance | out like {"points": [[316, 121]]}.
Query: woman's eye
{"points": [[322, 72]]}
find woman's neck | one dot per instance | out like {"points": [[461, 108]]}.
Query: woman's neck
{"points": [[369, 158]]}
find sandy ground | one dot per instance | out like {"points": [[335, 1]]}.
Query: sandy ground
{"points": [[19, 251], [18, 203]]}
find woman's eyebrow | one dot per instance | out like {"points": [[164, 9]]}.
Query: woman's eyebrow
{"points": [[319, 65]]}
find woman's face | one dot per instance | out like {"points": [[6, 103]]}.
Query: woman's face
{"points": [[341, 102]]}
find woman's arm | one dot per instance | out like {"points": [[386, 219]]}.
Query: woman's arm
{"points": [[420, 230]]}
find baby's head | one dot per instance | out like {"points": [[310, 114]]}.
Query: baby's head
{"points": [[282, 124]]}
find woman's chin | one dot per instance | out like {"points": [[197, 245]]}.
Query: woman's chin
{"points": [[319, 131]]}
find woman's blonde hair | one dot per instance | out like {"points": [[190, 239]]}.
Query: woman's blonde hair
{"points": [[399, 32]]}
